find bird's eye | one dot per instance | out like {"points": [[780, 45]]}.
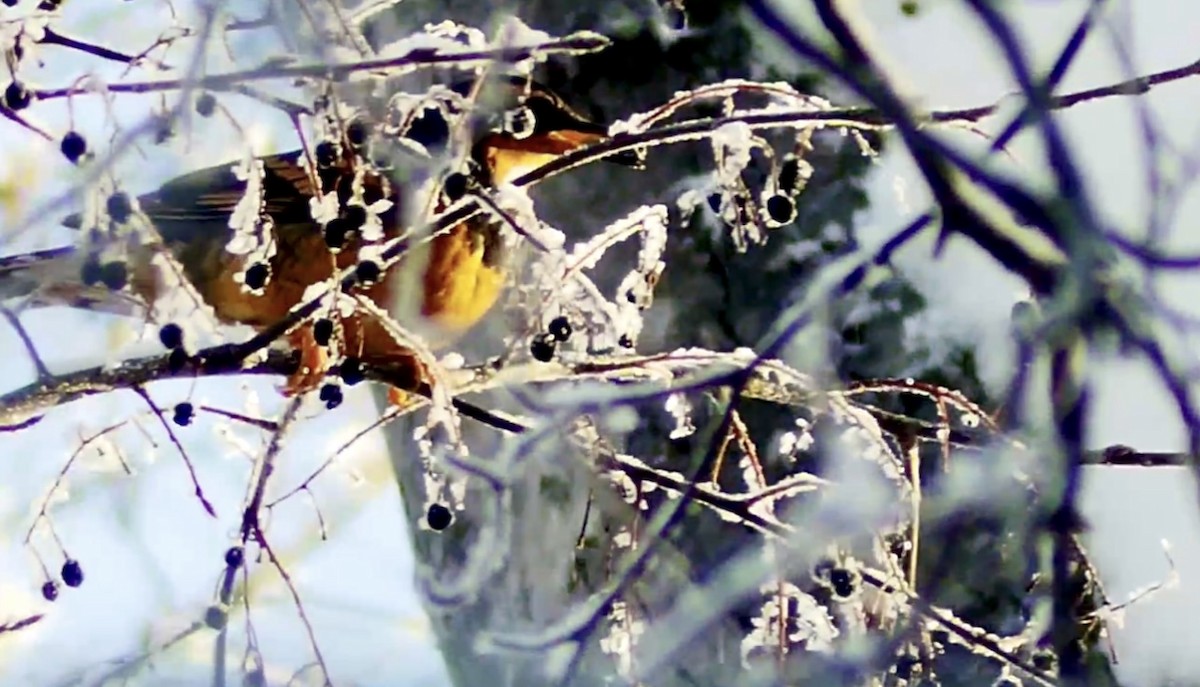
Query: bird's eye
{"points": [[520, 122]]}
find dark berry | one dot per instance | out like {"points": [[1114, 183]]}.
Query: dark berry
{"points": [[355, 216], [714, 202], [73, 146], [356, 133], [345, 191], [367, 271], [842, 581], [215, 617], [177, 360], [323, 331], [789, 174], [50, 590], [119, 207], [235, 556], [430, 130], [439, 517], [256, 276], [542, 348], [16, 97], [455, 186], [906, 666], [91, 272], [184, 412], [625, 341], [10, 3], [781, 209], [326, 154], [372, 193], [206, 104], [939, 636], [331, 395], [72, 573], [631, 296], [351, 371], [335, 233], [164, 129], [171, 335], [114, 274], [329, 179], [1044, 660], [520, 123], [560, 328]]}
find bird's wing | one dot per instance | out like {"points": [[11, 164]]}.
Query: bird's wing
{"points": [[198, 200], [54, 277]]}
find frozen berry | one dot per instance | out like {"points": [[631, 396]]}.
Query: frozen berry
{"points": [[164, 129], [789, 174], [184, 412], [625, 341], [256, 276], [119, 207], [455, 186], [356, 133], [335, 233], [206, 104], [171, 335], [842, 581], [73, 146], [367, 271], [177, 360], [91, 271], [560, 328], [781, 209], [323, 331], [114, 274], [714, 202], [355, 216], [439, 517], [372, 193], [542, 348], [331, 395], [351, 371], [325, 153], [215, 617], [16, 97], [72, 573], [907, 666]]}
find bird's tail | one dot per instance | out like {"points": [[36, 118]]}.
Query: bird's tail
{"points": [[42, 277]]}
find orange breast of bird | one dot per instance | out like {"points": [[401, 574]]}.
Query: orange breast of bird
{"points": [[451, 281]]}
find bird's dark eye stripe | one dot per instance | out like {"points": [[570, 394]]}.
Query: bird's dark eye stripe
{"points": [[549, 116]]}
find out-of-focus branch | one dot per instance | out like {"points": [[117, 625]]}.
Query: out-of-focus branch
{"points": [[417, 58]]}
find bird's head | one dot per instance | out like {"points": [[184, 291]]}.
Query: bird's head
{"points": [[518, 125]]}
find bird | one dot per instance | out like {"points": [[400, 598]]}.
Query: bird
{"points": [[441, 289]]}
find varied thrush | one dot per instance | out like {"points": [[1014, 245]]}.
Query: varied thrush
{"points": [[440, 289]]}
